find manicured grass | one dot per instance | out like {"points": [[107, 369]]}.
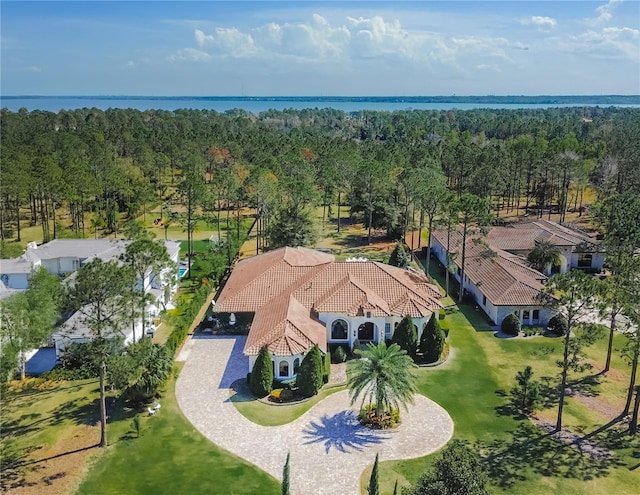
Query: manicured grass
{"points": [[170, 457], [280, 414], [472, 387]]}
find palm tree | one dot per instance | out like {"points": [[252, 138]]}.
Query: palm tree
{"points": [[383, 375], [545, 256]]}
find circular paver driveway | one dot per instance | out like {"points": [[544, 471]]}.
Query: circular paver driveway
{"points": [[329, 449]]}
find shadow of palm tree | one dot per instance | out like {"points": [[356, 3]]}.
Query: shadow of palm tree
{"points": [[342, 432]]}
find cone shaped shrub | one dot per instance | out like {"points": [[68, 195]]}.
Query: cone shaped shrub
{"points": [[432, 340], [262, 374], [406, 336], [309, 379]]}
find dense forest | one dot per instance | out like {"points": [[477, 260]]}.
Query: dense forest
{"points": [[88, 169]]}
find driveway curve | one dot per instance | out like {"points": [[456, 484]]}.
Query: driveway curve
{"points": [[329, 449]]}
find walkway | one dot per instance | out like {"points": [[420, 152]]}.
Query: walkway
{"points": [[329, 449]]}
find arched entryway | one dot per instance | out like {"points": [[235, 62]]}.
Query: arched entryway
{"points": [[366, 331]]}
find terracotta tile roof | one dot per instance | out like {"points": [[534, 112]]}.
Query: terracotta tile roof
{"points": [[523, 236], [287, 287], [504, 278]]}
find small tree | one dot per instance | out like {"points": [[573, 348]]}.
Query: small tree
{"points": [[510, 325], [285, 477], [405, 336], [526, 394], [399, 256], [457, 471], [262, 374], [374, 484], [309, 379], [432, 340], [339, 355]]}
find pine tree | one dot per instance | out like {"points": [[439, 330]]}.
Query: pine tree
{"points": [[262, 374], [432, 340], [374, 485], [285, 477]]}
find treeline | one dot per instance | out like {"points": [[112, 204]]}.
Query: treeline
{"points": [[88, 169]]}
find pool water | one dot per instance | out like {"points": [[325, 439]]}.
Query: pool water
{"points": [[182, 272]]}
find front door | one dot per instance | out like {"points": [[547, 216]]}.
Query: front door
{"points": [[365, 331]]}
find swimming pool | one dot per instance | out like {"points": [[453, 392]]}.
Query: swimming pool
{"points": [[182, 272]]}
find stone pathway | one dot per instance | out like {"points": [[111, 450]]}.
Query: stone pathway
{"points": [[329, 449]]}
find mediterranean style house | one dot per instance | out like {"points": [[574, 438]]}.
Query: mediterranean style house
{"points": [[301, 297], [63, 257], [497, 273]]}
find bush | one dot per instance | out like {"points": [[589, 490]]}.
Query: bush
{"points": [[339, 355], [432, 340], [326, 368], [442, 314], [389, 419], [262, 374], [399, 256], [309, 379], [355, 346], [406, 336], [444, 326], [558, 325], [510, 325]]}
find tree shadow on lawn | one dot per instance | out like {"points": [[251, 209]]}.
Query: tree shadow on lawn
{"points": [[342, 432], [549, 392], [533, 449]]}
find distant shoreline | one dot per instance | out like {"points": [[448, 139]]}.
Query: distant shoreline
{"points": [[488, 99]]}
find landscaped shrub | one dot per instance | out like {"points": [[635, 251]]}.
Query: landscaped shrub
{"points": [[510, 325], [355, 346], [406, 336], [326, 368], [558, 325], [442, 314], [368, 417], [399, 256], [444, 326], [309, 379], [432, 340], [262, 374], [339, 355]]}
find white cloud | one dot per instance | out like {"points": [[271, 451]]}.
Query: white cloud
{"points": [[609, 42], [489, 67], [543, 23], [34, 68], [605, 12], [356, 40]]}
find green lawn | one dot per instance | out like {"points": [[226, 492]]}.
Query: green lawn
{"points": [[521, 459], [170, 457], [276, 415]]}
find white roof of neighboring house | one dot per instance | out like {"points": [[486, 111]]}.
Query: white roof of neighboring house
{"points": [[15, 265]]}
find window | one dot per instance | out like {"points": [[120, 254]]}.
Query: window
{"points": [[387, 330], [339, 330], [283, 368], [368, 314], [525, 315], [536, 314], [296, 366], [484, 300], [584, 260]]}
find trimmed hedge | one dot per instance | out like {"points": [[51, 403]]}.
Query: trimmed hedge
{"points": [[183, 320], [510, 325], [558, 325], [262, 374], [432, 340], [309, 379]]}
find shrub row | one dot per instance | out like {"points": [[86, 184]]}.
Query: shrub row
{"points": [[187, 312]]}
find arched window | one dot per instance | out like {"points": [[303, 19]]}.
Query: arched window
{"points": [[283, 368], [296, 366], [339, 330]]}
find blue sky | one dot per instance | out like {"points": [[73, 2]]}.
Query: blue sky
{"points": [[313, 48]]}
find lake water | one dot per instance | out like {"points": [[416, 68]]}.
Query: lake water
{"points": [[55, 104]]}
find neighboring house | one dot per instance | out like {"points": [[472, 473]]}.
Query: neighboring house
{"points": [[64, 257], [577, 250], [498, 275], [300, 297]]}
